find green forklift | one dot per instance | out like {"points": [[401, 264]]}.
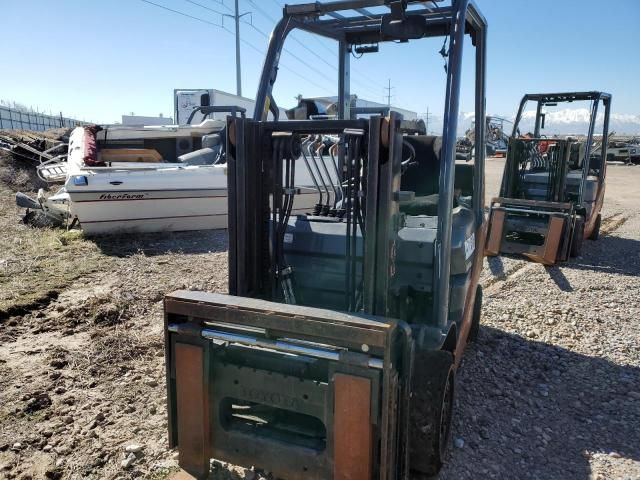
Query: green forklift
{"points": [[335, 354], [552, 188]]}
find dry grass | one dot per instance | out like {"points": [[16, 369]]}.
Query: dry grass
{"points": [[35, 263]]}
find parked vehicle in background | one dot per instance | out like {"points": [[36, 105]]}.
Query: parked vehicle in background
{"points": [[552, 188], [627, 152], [185, 100]]}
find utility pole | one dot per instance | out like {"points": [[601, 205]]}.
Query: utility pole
{"points": [[427, 119], [388, 89], [236, 17], [238, 73]]}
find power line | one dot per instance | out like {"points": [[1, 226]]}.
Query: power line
{"points": [[313, 52], [236, 17], [221, 2], [304, 62], [372, 83], [262, 11], [295, 72], [183, 14], [249, 44], [204, 6], [315, 37], [266, 15]]}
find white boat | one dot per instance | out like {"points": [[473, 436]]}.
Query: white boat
{"points": [[147, 179]]}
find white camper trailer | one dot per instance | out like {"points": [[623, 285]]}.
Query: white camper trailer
{"points": [[186, 100]]}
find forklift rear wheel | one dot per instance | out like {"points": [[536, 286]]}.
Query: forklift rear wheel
{"points": [[474, 330], [432, 392], [578, 237], [595, 233]]}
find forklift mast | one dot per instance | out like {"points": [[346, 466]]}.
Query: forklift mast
{"points": [[325, 19], [554, 99]]}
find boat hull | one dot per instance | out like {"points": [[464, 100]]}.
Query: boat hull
{"points": [[150, 211], [137, 211], [161, 211]]}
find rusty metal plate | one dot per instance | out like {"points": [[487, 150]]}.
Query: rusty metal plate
{"points": [[192, 409], [353, 431], [495, 233], [552, 243]]}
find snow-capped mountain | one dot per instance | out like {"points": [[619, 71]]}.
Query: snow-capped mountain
{"points": [[562, 122], [576, 120]]}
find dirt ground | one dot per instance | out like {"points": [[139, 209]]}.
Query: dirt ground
{"points": [[552, 389]]}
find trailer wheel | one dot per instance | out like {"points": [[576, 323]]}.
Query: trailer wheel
{"points": [[474, 331], [595, 233], [578, 237], [431, 411]]}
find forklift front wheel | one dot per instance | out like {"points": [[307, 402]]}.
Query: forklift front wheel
{"points": [[595, 233], [578, 236], [431, 411], [474, 330]]}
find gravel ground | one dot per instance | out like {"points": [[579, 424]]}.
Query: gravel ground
{"points": [[552, 389]]}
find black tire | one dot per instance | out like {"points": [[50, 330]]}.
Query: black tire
{"points": [[37, 219], [474, 330], [595, 233], [432, 392], [578, 237]]}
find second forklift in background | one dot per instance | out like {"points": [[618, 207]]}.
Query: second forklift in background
{"points": [[552, 188]]}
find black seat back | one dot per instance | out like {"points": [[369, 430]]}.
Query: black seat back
{"points": [[423, 178], [464, 179]]}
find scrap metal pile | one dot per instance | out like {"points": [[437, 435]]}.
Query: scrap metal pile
{"points": [[625, 150], [497, 141], [47, 152]]}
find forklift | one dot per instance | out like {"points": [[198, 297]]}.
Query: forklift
{"points": [[334, 355], [552, 188]]}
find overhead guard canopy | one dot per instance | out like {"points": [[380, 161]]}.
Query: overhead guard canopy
{"points": [[366, 21]]}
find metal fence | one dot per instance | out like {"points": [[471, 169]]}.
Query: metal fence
{"points": [[14, 119]]}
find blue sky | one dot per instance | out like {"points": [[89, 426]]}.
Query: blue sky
{"points": [[96, 60]]}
